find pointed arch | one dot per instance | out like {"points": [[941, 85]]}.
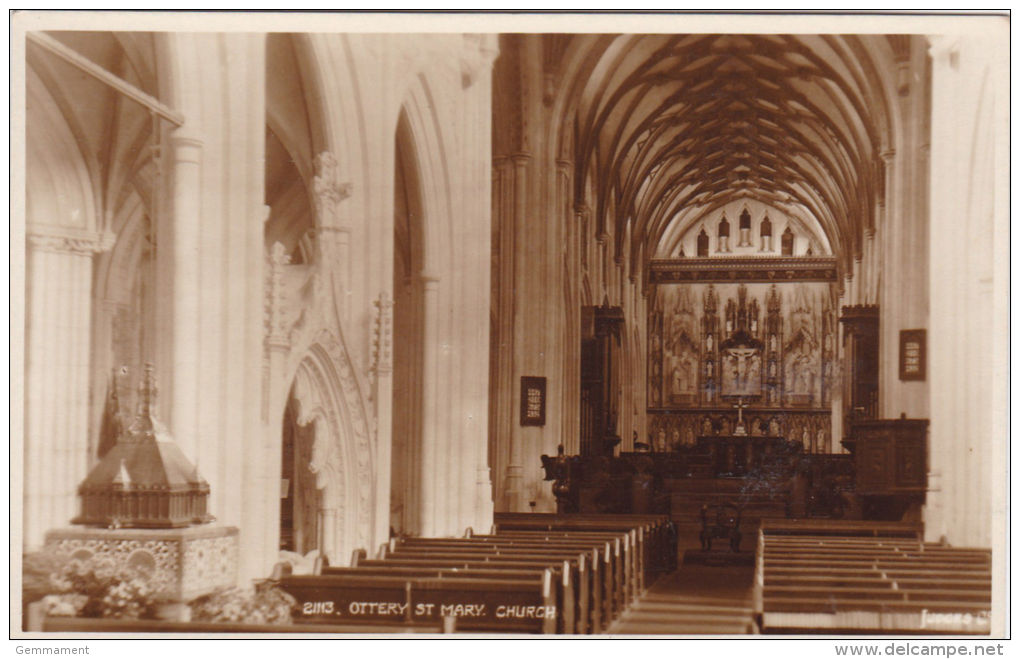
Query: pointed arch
{"points": [[429, 142], [327, 393]]}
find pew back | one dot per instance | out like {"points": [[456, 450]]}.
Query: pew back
{"points": [[878, 579], [522, 605]]}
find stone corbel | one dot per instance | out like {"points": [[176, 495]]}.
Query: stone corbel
{"points": [[903, 78], [945, 48], [478, 52], [329, 191]]}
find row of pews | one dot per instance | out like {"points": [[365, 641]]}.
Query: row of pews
{"points": [[533, 574], [867, 577]]}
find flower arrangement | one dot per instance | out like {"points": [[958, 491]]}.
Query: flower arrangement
{"points": [[36, 569], [99, 589], [263, 604]]}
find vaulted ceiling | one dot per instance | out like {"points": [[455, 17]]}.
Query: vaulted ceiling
{"points": [[671, 127], [113, 135]]}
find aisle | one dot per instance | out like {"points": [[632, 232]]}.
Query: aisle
{"points": [[695, 600]]}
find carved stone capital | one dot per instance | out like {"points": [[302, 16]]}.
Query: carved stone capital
{"points": [[70, 241], [329, 191]]}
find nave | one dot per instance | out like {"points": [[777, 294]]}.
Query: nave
{"points": [[601, 574], [371, 285]]}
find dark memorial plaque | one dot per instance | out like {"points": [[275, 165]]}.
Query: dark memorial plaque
{"points": [[912, 355], [532, 401]]}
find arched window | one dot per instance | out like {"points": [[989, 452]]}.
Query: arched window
{"points": [[702, 243], [745, 229], [766, 234], [724, 235], [787, 241]]}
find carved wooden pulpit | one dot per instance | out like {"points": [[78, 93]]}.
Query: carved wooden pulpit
{"points": [[891, 456]]}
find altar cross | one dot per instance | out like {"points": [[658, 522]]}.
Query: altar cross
{"points": [[740, 405]]}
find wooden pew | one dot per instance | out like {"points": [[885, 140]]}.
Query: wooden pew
{"points": [[599, 585], [620, 555], [564, 578], [655, 536], [625, 551], [650, 535], [523, 605], [656, 530], [191, 629], [587, 588], [842, 528], [880, 577]]}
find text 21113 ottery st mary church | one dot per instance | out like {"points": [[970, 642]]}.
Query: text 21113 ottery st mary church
{"points": [[682, 332]]}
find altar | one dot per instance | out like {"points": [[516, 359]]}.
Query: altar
{"points": [[739, 455]]}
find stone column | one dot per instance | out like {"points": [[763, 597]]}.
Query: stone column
{"points": [[382, 395], [432, 479], [210, 260], [261, 523], [501, 389], [570, 373], [476, 76], [514, 496], [57, 344], [968, 284], [184, 259], [903, 295]]}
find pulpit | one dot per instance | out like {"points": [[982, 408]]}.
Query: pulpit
{"points": [[891, 464], [891, 456]]}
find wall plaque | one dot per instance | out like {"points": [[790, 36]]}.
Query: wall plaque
{"points": [[913, 354], [532, 401]]}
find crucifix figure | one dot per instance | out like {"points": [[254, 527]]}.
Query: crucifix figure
{"points": [[741, 365], [740, 430]]}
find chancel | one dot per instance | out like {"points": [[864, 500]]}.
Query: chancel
{"points": [[534, 332]]}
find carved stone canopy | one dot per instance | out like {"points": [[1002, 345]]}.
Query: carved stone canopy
{"points": [[144, 481]]}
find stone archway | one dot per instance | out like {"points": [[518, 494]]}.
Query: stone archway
{"points": [[328, 397]]}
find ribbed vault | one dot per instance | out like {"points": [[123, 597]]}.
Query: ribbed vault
{"points": [[114, 135], [671, 127]]}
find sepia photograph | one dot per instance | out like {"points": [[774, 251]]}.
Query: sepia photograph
{"points": [[509, 326]]}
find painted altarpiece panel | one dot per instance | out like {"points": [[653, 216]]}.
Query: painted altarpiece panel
{"points": [[783, 364]]}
